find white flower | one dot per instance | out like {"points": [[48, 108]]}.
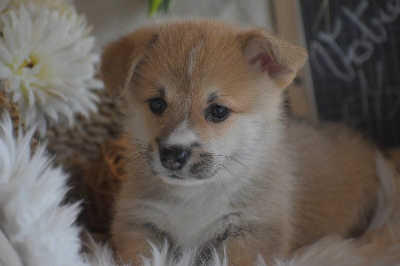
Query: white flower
{"points": [[46, 65]]}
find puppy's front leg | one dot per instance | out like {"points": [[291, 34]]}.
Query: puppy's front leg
{"points": [[242, 242], [132, 243], [241, 250], [244, 250], [234, 239]]}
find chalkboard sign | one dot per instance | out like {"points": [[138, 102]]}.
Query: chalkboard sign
{"points": [[354, 49]]}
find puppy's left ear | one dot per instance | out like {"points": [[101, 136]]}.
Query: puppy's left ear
{"points": [[272, 56], [120, 59]]}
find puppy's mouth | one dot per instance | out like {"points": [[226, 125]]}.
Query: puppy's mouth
{"points": [[196, 171], [201, 176], [175, 176]]}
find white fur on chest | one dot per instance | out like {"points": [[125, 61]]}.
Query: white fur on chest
{"points": [[191, 220]]}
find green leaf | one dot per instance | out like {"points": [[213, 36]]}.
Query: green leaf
{"points": [[154, 5], [166, 5]]}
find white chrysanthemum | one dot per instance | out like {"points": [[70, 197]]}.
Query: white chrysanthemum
{"points": [[46, 65]]}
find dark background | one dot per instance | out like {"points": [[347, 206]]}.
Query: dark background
{"points": [[367, 96]]}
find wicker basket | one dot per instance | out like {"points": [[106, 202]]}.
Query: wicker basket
{"points": [[92, 153], [12, 110]]}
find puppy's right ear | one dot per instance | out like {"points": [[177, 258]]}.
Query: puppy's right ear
{"points": [[271, 55], [120, 58]]}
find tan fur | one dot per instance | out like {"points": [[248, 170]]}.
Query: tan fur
{"points": [[267, 188]]}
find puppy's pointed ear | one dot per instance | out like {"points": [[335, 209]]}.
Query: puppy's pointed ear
{"points": [[270, 55], [120, 58]]}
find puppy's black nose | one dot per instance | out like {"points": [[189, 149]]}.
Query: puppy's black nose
{"points": [[174, 157]]}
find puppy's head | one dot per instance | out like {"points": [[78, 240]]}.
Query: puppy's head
{"points": [[201, 98]]}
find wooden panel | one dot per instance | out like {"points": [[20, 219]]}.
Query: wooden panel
{"points": [[287, 20], [395, 156]]}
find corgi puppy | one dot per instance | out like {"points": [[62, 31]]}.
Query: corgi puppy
{"points": [[214, 162]]}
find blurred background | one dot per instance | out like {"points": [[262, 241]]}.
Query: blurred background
{"points": [[353, 74]]}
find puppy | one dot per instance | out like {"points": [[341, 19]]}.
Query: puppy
{"points": [[214, 163]]}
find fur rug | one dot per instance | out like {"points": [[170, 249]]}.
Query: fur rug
{"points": [[40, 230]]}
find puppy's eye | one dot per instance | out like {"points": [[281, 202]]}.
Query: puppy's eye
{"points": [[217, 113], [157, 105]]}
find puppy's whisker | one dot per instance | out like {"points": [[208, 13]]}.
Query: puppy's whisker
{"points": [[226, 169], [229, 157]]}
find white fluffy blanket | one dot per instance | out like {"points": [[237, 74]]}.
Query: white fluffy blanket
{"points": [[36, 229]]}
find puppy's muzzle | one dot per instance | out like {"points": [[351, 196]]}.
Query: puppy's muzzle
{"points": [[174, 157]]}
